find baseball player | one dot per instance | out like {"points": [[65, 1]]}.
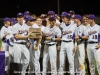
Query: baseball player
{"points": [[21, 53], [67, 45], [80, 35], [5, 47], [72, 15], [34, 49], [93, 47], [85, 22], [41, 46], [52, 34]]}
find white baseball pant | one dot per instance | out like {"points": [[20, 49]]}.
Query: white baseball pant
{"points": [[50, 53], [66, 49], [81, 58], [21, 54], [93, 54], [34, 60]]}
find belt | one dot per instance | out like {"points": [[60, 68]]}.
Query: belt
{"points": [[66, 41], [24, 43], [50, 44], [92, 42]]}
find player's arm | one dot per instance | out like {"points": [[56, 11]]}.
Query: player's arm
{"points": [[18, 36]]}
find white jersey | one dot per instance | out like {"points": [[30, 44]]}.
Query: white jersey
{"points": [[4, 30], [42, 28], [94, 33], [68, 32], [19, 29], [52, 32], [81, 31], [87, 25], [62, 24]]}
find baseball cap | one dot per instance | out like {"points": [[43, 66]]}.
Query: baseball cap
{"points": [[72, 12], [28, 18], [64, 13], [43, 20], [92, 16], [51, 13], [26, 13], [20, 14], [7, 19], [78, 17], [13, 20], [52, 18]]}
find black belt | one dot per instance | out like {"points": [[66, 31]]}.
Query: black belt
{"points": [[66, 41], [92, 42], [50, 44], [24, 43]]}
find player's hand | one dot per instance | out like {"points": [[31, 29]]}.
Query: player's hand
{"points": [[74, 49], [57, 24], [76, 37], [28, 45], [7, 34], [48, 38], [36, 48], [29, 34], [58, 47], [97, 47]]}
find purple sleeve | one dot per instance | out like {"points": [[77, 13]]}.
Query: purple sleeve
{"points": [[98, 37]]}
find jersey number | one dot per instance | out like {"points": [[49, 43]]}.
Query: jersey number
{"points": [[69, 36], [94, 37]]}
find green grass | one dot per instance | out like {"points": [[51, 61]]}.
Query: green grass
{"points": [[96, 72]]}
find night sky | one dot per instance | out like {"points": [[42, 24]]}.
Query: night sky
{"points": [[9, 8]]}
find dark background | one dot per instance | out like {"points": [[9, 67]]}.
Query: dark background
{"points": [[9, 8]]}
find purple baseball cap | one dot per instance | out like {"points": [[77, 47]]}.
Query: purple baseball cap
{"points": [[64, 13], [13, 20], [78, 17], [20, 14], [51, 13], [71, 12], [52, 18], [7, 19], [28, 18], [43, 20], [26, 13], [92, 16]]}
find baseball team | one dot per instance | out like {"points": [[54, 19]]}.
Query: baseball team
{"points": [[68, 36]]}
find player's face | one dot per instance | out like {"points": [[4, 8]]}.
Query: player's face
{"points": [[91, 21], [85, 20], [20, 19], [8, 22], [52, 23], [62, 18], [39, 21], [28, 23], [76, 20]]}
